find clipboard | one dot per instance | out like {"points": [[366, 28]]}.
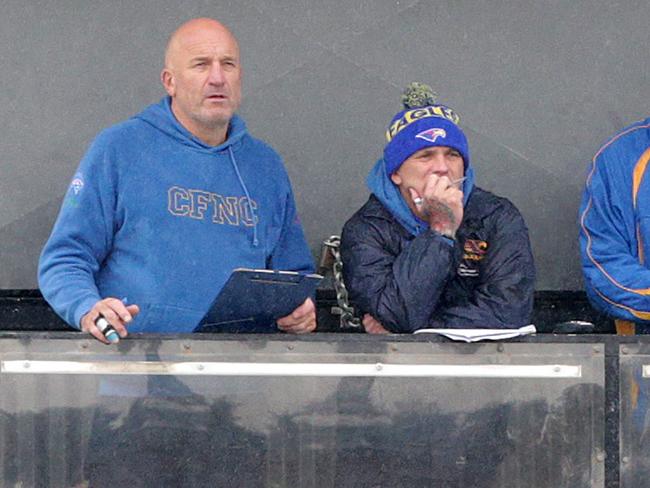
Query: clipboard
{"points": [[252, 300]]}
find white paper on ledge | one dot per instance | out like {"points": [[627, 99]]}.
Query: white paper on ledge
{"points": [[475, 335]]}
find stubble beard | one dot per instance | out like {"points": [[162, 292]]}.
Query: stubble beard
{"points": [[206, 118], [211, 122], [439, 216]]}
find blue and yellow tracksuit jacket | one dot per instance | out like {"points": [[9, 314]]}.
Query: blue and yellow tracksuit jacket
{"points": [[615, 226]]}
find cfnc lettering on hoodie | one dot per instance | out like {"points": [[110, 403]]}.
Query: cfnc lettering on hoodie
{"points": [[201, 205]]}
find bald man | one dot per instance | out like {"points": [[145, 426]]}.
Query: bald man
{"points": [[166, 204]]}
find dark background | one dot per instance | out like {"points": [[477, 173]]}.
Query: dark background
{"points": [[539, 87]]}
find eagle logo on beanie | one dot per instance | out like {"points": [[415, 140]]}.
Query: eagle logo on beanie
{"points": [[432, 135]]}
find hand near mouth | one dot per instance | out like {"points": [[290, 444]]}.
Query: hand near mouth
{"points": [[441, 204]]}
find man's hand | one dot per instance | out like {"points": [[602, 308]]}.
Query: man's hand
{"points": [[372, 325], [113, 310], [301, 321], [441, 203]]}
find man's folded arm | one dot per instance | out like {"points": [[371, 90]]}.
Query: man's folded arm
{"points": [[399, 291]]}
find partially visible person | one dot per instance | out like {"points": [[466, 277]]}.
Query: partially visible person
{"points": [[165, 205], [430, 249], [615, 229]]}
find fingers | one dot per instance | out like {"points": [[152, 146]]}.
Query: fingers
{"points": [[304, 326], [372, 325], [301, 321], [88, 325], [115, 312], [306, 309], [442, 188], [417, 199], [443, 204], [133, 310]]}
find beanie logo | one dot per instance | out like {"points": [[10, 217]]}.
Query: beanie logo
{"points": [[432, 135], [414, 115]]}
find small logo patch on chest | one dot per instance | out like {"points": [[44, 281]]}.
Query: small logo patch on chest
{"points": [[474, 251]]}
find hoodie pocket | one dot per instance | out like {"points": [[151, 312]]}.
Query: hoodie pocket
{"points": [[166, 319]]}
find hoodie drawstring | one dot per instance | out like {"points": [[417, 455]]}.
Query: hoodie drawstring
{"points": [[248, 197]]}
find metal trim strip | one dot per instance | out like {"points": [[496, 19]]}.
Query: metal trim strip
{"points": [[292, 369]]}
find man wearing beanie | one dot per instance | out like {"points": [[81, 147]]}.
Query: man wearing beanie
{"points": [[430, 249]]}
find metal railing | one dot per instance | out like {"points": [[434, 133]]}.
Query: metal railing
{"points": [[323, 411]]}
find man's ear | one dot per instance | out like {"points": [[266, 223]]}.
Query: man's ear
{"points": [[168, 82], [396, 179]]}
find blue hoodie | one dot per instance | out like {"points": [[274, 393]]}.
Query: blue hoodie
{"points": [[157, 218]]}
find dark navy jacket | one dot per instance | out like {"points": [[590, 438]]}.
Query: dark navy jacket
{"points": [[483, 279]]}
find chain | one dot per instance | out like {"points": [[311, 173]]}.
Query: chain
{"points": [[346, 312]]}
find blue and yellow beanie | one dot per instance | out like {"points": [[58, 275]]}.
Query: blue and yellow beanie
{"points": [[422, 124]]}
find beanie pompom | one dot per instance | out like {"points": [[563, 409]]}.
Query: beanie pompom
{"points": [[418, 95]]}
